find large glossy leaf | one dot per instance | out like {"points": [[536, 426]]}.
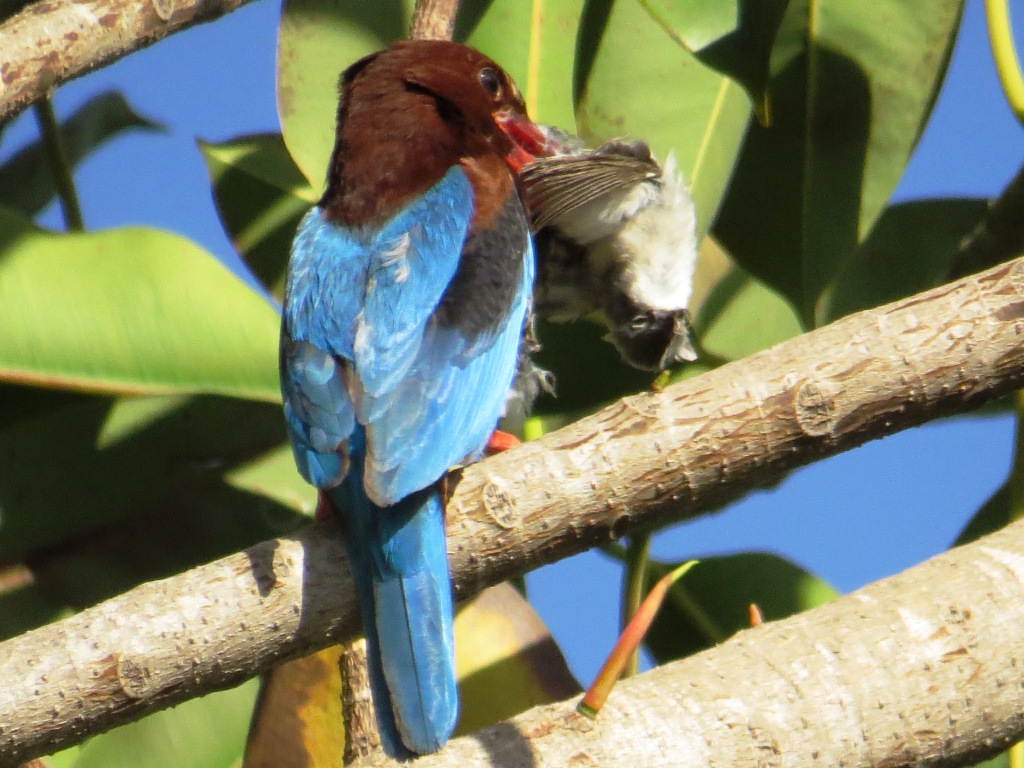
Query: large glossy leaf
{"points": [[317, 40], [632, 78], [129, 311], [713, 601], [273, 475], [24, 607], [506, 660], [910, 249], [212, 517], [201, 733], [734, 38], [298, 721], [260, 195], [741, 316], [26, 181], [93, 461], [852, 87], [994, 514]]}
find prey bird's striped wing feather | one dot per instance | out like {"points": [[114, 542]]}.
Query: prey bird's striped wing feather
{"points": [[556, 186]]}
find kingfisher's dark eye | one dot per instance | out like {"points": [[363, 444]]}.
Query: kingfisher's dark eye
{"points": [[491, 83]]}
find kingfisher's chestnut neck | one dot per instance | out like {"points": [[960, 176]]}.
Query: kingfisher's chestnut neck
{"points": [[406, 116]]}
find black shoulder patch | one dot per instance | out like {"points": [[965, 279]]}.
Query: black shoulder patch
{"points": [[485, 284]]}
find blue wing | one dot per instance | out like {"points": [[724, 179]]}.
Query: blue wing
{"points": [[444, 412], [357, 304], [362, 344]]}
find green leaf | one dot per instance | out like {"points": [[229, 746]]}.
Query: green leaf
{"points": [[273, 476], [713, 601], [633, 79], [26, 181], [138, 476], [25, 608], [501, 644], [999, 761], [733, 38], [993, 515], [852, 88], [202, 733], [910, 249], [535, 43], [317, 40], [260, 195], [94, 461], [741, 316], [129, 311], [212, 517]]}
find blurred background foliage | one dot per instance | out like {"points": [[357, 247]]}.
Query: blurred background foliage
{"points": [[129, 357]]}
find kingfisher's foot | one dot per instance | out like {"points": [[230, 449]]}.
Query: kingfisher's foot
{"points": [[500, 441]]}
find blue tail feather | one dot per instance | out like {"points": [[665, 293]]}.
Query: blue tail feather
{"points": [[400, 564]]}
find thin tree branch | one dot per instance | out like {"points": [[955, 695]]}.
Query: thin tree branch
{"points": [[434, 19], [52, 41], [634, 582], [362, 737], [645, 461], [923, 669]]}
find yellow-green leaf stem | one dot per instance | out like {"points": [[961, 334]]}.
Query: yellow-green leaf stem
{"points": [[1000, 36], [634, 576], [60, 166]]}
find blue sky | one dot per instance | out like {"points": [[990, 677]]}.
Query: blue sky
{"points": [[852, 519]]}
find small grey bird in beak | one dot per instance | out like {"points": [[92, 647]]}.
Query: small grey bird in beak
{"points": [[614, 232]]}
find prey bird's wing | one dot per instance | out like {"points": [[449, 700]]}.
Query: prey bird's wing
{"points": [[557, 186]]}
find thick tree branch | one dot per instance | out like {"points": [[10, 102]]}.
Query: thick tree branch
{"points": [[52, 41], [644, 461], [922, 669]]}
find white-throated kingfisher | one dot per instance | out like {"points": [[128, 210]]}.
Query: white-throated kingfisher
{"points": [[407, 289]]}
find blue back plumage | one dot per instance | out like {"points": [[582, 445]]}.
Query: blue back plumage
{"points": [[382, 397]]}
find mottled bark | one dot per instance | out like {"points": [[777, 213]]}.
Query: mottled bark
{"points": [[646, 460], [52, 41], [924, 669], [434, 19]]}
